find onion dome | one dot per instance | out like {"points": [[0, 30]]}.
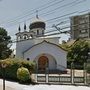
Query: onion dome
{"points": [[37, 23]]}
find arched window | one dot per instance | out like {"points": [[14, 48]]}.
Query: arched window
{"points": [[19, 38], [25, 36]]}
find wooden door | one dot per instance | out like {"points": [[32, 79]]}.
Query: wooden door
{"points": [[42, 63]]}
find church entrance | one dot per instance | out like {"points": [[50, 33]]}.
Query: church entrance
{"points": [[42, 63]]}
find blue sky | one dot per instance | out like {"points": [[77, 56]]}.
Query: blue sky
{"points": [[16, 12]]}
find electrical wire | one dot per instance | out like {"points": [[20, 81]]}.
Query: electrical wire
{"points": [[55, 9], [47, 5]]}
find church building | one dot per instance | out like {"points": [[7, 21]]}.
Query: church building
{"points": [[33, 45]]}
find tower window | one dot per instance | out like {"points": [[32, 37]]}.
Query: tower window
{"points": [[42, 31], [25, 36], [37, 32], [19, 37]]}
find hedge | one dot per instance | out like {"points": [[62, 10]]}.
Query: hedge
{"points": [[12, 66]]}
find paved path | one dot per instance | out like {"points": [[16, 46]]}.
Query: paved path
{"points": [[10, 85], [7, 88], [16, 86]]}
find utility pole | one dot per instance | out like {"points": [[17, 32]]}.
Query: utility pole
{"points": [[56, 27]]}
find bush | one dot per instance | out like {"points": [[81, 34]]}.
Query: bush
{"points": [[23, 74], [13, 65], [88, 68], [79, 66]]}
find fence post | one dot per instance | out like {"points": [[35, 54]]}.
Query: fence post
{"points": [[36, 73], [85, 74], [46, 75], [59, 77], [72, 73]]}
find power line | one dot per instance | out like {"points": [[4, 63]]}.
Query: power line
{"points": [[57, 33], [79, 12], [63, 6], [61, 16], [29, 12], [66, 27], [63, 31], [39, 9], [57, 17], [54, 9]]}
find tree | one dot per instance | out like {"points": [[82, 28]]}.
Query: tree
{"points": [[5, 41], [78, 52]]}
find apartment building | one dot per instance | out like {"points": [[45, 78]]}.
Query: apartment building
{"points": [[80, 26]]}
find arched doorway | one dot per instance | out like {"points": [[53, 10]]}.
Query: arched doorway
{"points": [[42, 63]]}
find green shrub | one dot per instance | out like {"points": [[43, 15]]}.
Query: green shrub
{"points": [[13, 65], [23, 74], [88, 68]]}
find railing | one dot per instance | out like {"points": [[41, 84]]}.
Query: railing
{"points": [[41, 78], [73, 76], [78, 79], [60, 79]]}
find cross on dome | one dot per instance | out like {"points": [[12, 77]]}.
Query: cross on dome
{"points": [[37, 14]]}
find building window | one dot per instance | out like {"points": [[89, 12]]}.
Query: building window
{"points": [[83, 31], [83, 35], [82, 21]]}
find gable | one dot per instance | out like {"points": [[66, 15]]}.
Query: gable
{"points": [[44, 45]]}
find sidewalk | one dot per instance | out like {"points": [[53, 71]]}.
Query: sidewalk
{"points": [[10, 85], [16, 86], [7, 88]]}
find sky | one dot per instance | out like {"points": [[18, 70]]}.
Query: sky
{"points": [[17, 12]]}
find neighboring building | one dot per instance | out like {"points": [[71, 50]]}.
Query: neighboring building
{"points": [[45, 51], [80, 26]]}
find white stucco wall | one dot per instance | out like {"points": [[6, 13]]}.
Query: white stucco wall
{"points": [[54, 40], [53, 50], [23, 45]]}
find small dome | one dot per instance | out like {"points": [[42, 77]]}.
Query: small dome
{"points": [[37, 23]]}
